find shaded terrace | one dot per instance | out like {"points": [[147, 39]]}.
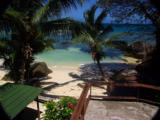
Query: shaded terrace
{"points": [[96, 107]]}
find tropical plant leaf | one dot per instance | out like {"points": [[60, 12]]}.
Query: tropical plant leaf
{"points": [[100, 18], [103, 33], [41, 14], [54, 8], [84, 38], [13, 20], [116, 44], [89, 15], [113, 37]]}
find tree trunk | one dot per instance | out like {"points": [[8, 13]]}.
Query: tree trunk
{"points": [[22, 65], [28, 67], [158, 40], [22, 71], [101, 70]]}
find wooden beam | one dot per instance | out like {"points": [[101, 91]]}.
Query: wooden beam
{"points": [[126, 85], [38, 109], [125, 98]]}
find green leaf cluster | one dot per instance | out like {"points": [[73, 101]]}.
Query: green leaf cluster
{"points": [[92, 32], [28, 21], [59, 110]]}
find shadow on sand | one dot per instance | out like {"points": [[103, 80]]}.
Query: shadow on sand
{"points": [[90, 72], [157, 115]]}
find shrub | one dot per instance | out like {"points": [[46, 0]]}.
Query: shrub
{"points": [[61, 110]]}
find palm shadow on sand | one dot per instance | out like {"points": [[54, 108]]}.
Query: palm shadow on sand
{"points": [[90, 72]]}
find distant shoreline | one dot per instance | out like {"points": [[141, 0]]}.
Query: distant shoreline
{"points": [[73, 66], [125, 59]]}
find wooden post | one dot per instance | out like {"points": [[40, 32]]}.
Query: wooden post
{"points": [[83, 112], [90, 85], [38, 109]]}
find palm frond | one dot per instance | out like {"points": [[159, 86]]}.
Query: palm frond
{"points": [[100, 18], [13, 20], [90, 14], [103, 33], [77, 28], [84, 38], [113, 43], [54, 25], [41, 14], [26, 6], [113, 37], [49, 44], [40, 44], [54, 8], [121, 45]]}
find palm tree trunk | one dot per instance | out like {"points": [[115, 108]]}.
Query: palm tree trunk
{"points": [[22, 71], [22, 65], [158, 39], [100, 69]]}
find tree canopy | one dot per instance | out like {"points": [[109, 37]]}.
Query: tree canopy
{"points": [[23, 22]]}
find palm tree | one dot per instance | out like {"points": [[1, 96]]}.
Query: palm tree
{"points": [[93, 33], [24, 36], [26, 19]]}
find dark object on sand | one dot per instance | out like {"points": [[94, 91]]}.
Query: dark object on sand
{"points": [[141, 48], [39, 70], [124, 76]]}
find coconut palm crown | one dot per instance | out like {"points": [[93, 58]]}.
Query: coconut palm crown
{"points": [[93, 33], [25, 20]]}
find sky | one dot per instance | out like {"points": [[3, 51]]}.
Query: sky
{"points": [[77, 14]]}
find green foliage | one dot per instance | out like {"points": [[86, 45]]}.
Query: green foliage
{"points": [[26, 19], [61, 110], [93, 32], [125, 10], [11, 53], [65, 101]]}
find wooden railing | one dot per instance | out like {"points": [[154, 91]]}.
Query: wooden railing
{"points": [[86, 96], [81, 107]]}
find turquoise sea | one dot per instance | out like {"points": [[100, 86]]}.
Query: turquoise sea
{"points": [[77, 54]]}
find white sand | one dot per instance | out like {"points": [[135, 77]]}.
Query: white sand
{"points": [[67, 85], [2, 73], [68, 78]]}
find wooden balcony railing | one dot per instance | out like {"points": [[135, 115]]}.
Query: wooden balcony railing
{"points": [[86, 96]]}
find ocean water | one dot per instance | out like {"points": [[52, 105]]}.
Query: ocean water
{"points": [[72, 55], [77, 54]]}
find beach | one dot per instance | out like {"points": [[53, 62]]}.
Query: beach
{"points": [[65, 80], [69, 79], [59, 48]]}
